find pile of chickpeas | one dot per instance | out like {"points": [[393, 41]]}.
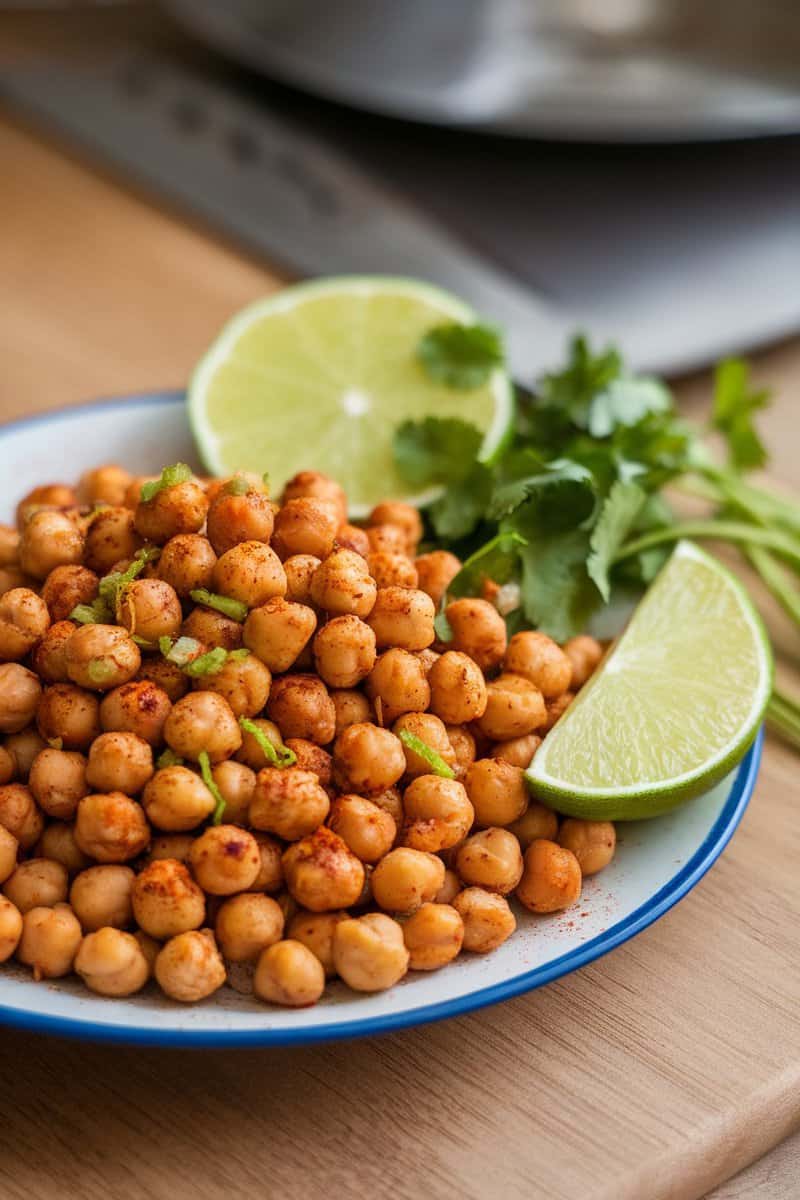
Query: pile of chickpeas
{"points": [[340, 794]]}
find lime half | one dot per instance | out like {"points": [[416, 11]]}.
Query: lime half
{"points": [[673, 707], [320, 375]]}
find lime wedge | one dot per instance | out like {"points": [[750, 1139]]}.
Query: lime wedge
{"points": [[672, 708], [319, 376]]}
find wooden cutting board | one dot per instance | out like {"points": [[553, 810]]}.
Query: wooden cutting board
{"points": [[653, 1074]]}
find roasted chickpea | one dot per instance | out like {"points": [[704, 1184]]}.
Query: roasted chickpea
{"points": [[102, 896], [178, 509], [278, 631], [352, 537], [139, 707], [203, 721], [251, 752], [50, 940], [49, 656], [213, 629], [514, 708], [517, 751], [555, 710], [170, 845], [112, 963], [10, 928], [311, 757], [344, 651], [58, 781], [406, 878], [551, 880], [243, 683], [239, 518], [369, 952], [46, 495], [402, 618], [541, 660], [299, 570], [367, 758], [458, 689], [449, 889], [435, 572], [433, 936], [386, 539], [20, 815], [23, 747], [49, 539], [13, 577], [464, 751], [9, 546], [536, 822], [404, 516], [438, 813], [250, 572], [584, 654], [24, 619], [187, 562], [305, 526], [431, 731], [316, 486], [167, 677], [58, 842], [151, 609], [290, 802], [478, 630], [301, 707], [69, 713], [352, 708], [488, 920], [270, 875], [176, 800], [119, 762], [133, 492], [8, 766], [66, 587], [592, 842], [189, 967], [322, 873], [236, 783], [104, 485], [392, 570], [315, 931], [289, 973], [37, 882], [110, 827], [101, 657], [110, 539], [367, 828], [397, 684], [246, 924], [391, 801], [497, 791], [166, 900], [225, 859], [9, 846], [342, 584], [490, 859], [238, 484]]}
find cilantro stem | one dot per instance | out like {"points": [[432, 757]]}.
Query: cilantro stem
{"points": [[783, 716], [435, 761], [204, 763], [235, 609], [277, 756], [774, 578], [725, 531]]}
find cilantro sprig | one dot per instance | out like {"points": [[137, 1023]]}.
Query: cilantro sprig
{"points": [[434, 760], [460, 356], [170, 476]]}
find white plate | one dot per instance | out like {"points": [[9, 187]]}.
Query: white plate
{"points": [[657, 863]]}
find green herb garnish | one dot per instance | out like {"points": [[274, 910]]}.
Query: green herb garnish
{"points": [[179, 652], [237, 486], [435, 761], [96, 613], [210, 663], [170, 476], [277, 756], [237, 610], [460, 356], [168, 758], [208, 779], [100, 671]]}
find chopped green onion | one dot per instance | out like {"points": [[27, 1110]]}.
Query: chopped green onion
{"points": [[148, 553], [208, 780], [111, 586], [168, 758], [180, 652], [435, 761], [238, 486], [210, 663], [237, 610], [170, 476], [100, 671], [143, 642], [96, 613], [278, 756], [238, 655]]}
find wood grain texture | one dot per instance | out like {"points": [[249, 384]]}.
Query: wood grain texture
{"points": [[653, 1074]]}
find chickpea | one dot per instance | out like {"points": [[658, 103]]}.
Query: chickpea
{"points": [[301, 707], [433, 936], [289, 973], [299, 569], [458, 689], [23, 748], [240, 518], [539, 659], [68, 713], [112, 963], [369, 952], [352, 537], [278, 631], [392, 570], [67, 586], [406, 878], [478, 630], [555, 710], [290, 802], [47, 495], [398, 684], [10, 928], [50, 940], [110, 538], [342, 585], [104, 485], [58, 781], [213, 629], [316, 486], [344, 651], [431, 731], [151, 609], [551, 880], [305, 526], [352, 708], [203, 721], [236, 783], [13, 577], [58, 842], [435, 572], [497, 791], [270, 876], [101, 657], [246, 924], [244, 684], [322, 873], [517, 751], [9, 546], [250, 572], [24, 619], [110, 827], [311, 757], [189, 967], [225, 859], [170, 845], [251, 753], [464, 751], [367, 758], [8, 765], [133, 492], [402, 618], [592, 842], [404, 516], [222, 486], [166, 900], [119, 762], [488, 920], [386, 539], [438, 813], [167, 678], [315, 931], [20, 815], [584, 654], [490, 859], [102, 896], [49, 539], [176, 800], [37, 882], [514, 708], [367, 828], [178, 509], [9, 846], [187, 562], [139, 707], [537, 821], [449, 889], [49, 657], [390, 800]]}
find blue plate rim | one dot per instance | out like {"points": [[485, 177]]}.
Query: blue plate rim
{"points": [[656, 906]]}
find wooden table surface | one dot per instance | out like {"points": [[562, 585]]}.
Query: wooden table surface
{"points": [[653, 1074]]}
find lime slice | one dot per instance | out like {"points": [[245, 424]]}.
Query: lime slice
{"points": [[673, 707], [319, 376]]}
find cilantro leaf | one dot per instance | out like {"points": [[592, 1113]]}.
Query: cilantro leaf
{"points": [[572, 389], [625, 401], [617, 517], [735, 402], [434, 760], [436, 450], [558, 596], [564, 491], [170, 476], [460, 356], [497, 559], [456, 513]]}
